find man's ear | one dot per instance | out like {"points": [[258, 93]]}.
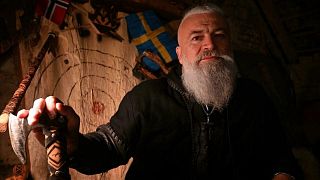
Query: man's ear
{"points": [[178, 51]]}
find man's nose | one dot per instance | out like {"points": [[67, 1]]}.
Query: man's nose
{"points": [[209, 43]]}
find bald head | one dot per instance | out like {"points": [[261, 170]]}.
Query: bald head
{"points": [[208, 8], [202, 9]]}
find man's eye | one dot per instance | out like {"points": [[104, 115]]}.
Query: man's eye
{"points": [[196, 38], [219, 36]]}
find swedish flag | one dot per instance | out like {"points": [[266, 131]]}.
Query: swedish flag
{"points": [[147, 33]]}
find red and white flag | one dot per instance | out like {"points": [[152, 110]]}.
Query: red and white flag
{"points": [[54, 10]]}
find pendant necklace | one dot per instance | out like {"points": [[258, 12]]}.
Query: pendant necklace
{"points": [[208, 110]]}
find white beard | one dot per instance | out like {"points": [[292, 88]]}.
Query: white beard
{"points": [[210, 83]]}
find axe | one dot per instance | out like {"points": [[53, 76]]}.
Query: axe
{"points": [[19, 129]]}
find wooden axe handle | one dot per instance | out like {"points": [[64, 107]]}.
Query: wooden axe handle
{"points": [[145, 72], [16, 99], [155, 58]]}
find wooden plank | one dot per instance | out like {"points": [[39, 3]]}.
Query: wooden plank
{"points": [[90, 75]]}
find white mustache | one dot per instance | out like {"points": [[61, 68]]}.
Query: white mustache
{"points": [[212, 53]]}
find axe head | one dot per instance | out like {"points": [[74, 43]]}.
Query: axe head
{"points": [[19, 130]]}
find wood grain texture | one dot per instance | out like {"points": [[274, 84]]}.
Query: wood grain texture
{"points": [[90, 75]]}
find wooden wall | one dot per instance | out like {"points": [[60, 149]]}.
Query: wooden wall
{"points": [[90, 75]]}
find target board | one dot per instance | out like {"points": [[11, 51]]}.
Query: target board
{"points": [[91, 76]]}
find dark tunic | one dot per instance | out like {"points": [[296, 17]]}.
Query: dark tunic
{"points": [[167, 134]]}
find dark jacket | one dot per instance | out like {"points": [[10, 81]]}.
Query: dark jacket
{"points": [[166, 133]]}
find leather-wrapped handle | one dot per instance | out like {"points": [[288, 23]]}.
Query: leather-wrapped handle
{"points": [[56, 146]]}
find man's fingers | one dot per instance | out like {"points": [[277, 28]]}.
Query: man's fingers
{"points": [[62, 109], [72, 117], [66, 111], [51, 106], [34, 116], [39, 104], [23, 113], [35, 111], [73, 125]]}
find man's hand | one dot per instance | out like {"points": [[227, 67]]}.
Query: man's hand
{"points": [[51, 106]]}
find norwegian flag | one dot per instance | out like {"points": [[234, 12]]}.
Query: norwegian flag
{"points": [[54, 10]]}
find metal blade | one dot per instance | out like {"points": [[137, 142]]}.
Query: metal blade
{"points": [[19, 130]]}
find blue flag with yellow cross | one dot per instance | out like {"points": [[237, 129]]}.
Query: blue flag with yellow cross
{"points": [[147, 32]]}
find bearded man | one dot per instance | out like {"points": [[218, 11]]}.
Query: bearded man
{"points": [[201, 122]]}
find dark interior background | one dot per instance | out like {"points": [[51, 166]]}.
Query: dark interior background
{"points": [[276, 43]]}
